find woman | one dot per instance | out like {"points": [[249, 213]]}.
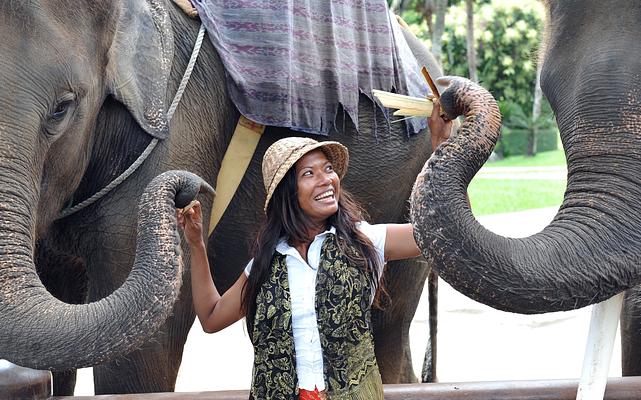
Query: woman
{"points": [[308, 291]]}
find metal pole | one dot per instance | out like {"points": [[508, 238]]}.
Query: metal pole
{"points": [[598, 351]]}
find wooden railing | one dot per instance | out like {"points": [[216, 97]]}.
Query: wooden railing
{"points": [[628, 388]]}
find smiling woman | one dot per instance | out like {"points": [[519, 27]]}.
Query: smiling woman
{"points": [[308, 292], [82, 95]]}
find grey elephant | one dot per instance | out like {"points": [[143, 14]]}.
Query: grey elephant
{"points": [[591, 250], [77, 107]]}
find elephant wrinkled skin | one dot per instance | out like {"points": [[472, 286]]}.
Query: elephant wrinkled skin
{"points": [[84, 85], [591, 73]]}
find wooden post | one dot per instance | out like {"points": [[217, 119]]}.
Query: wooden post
{"points": [[23, 383]]}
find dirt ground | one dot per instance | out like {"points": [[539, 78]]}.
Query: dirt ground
{"points": [[475, 342]]}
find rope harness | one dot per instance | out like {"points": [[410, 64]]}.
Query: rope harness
{"points": [[133, 167], [234, 164]]}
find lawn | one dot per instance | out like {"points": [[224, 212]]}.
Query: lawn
{"points": [[492, 196], [517, 191]]}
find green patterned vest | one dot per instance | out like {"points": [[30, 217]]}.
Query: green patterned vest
{"points": [[343, 294]]}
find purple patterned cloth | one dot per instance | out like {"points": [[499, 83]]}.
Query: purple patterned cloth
{"points": [[293, 62]]}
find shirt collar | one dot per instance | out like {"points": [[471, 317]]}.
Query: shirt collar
{"points": [[285, 249]]}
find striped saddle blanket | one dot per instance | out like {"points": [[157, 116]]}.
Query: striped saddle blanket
{"points": [[295, 63]]}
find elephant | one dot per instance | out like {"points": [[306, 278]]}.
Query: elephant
{"points": [[78, 107], [591, 249]]}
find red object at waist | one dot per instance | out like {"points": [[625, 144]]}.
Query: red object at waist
{"points": [[311, 394]]}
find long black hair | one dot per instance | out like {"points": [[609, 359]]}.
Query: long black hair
{"points": [[285, 218]]}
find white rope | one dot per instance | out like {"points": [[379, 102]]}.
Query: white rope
{"points": [[190, 67], [170, 113]]}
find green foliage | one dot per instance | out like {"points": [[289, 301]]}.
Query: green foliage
{"points": [[508, 36], [519, 129], [507, 33], [415, 19]]}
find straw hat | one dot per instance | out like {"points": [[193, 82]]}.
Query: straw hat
{"points": [[284, 153]]}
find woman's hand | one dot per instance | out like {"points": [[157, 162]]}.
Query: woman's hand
{"points": [[214, 312], [191, 222], [440, 127]]}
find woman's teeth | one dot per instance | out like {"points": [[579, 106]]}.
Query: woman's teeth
{"points": [[325, 195]]}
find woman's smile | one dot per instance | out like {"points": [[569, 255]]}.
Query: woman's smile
{"points": [[326, 197]]}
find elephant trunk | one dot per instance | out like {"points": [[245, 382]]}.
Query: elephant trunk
{"points": [[39, 331], [588, 253]]}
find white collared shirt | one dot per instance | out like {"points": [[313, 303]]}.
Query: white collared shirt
{"points": [[301, 276]]}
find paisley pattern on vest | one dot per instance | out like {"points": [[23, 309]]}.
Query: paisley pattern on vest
{"points": [[343, 294]]}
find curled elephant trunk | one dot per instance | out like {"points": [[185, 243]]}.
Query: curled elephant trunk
{"points": [[588, 253], [39, 331]]}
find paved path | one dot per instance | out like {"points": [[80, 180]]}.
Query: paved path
{"points": [[476, 342]]}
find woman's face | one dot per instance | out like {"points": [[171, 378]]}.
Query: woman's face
{"points": [[318, 186]]}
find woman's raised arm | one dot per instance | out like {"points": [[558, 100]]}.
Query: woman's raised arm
{"points": [[215, 312]]}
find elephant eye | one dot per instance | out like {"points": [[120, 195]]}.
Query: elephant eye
{"points": [[58, 118], [61, 110]]}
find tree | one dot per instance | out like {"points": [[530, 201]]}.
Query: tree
{"points": [[536, 113], [396, 6], [507, 35], [438, 28], [471, 43], [424, 13]]}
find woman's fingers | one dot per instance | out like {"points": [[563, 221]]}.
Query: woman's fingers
{"points": [[194, 214], [190, 216], [439, 127]]}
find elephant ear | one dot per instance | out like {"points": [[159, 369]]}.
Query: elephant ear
{"points": [[140, 59]]}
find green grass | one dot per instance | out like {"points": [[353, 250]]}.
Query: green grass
{"points": [[492, 196], [548, 158]]}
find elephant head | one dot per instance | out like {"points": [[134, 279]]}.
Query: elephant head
{"points": [[590, 251], [61, 60]]}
